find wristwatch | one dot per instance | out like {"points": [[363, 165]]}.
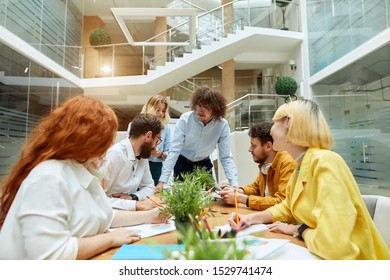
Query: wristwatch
{"points": [[163, 156], [134, 197], [301, 229]]}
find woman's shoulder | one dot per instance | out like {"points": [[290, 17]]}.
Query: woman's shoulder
{"points": [[326, 155], [49, 171]]}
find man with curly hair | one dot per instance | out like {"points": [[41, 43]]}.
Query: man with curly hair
{"points": [[197, 134]]}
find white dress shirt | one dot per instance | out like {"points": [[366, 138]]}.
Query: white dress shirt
{"points": [[197, 141], [165, 142], [57, 203], [126, 174]]}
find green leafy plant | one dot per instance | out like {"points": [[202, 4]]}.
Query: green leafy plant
{"points": [[200, 245], [204, 177], [99, 37], [187, 197], [286, 86]]}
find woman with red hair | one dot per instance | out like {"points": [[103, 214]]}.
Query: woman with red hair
{"points": [[52, 203]]}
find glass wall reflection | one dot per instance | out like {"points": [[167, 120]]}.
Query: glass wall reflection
{"points": [[28, 92], [356, 102]]}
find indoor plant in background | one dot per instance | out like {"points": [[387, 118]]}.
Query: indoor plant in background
{"points": [[286, 86], [99, 37]]}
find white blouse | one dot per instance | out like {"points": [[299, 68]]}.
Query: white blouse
{"points": [[57, 203]]}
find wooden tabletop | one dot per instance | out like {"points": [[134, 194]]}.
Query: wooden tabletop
{"points": [[218, 215]]}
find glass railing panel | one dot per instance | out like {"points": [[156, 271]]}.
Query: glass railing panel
{"points": [[181, 92], [3, 8], [250, 109], [337, 27]]}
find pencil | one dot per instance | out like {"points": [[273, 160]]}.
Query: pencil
{"points": [[158, 203], [235, 203]]}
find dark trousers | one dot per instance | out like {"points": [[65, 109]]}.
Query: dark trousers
{"points": [[155, 170], [184, 165]]}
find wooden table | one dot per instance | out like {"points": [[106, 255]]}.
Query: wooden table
{"points": [[219, 214]]}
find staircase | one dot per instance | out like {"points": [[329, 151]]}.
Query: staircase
{"points": [[251, 45]]}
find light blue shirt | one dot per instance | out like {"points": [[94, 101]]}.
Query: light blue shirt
{"points": [[197, 141], [165, 141]]}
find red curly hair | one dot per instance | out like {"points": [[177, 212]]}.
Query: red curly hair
{"points": [[80, 129]]}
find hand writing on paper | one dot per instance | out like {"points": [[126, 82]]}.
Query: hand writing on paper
{"points": [[243, 221], [156, 217]]}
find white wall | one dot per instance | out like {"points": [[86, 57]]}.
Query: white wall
{"points": [[247, 169]]}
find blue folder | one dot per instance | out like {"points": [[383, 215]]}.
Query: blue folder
{"points": [[146, 251]]}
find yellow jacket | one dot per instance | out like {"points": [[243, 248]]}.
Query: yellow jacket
{"points": [[278, 176], [325, 196]]}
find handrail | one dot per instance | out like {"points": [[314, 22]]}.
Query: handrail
{"points": [[192, 4], [209, 31], [187, 21], [233, 103]]}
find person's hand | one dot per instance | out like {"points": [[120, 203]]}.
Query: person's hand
{"points": [[122, 236], [122, 196], [243, 221], [146, 204], [156, 153], [156, 217], [227, 194], [159, 187], [285, 228], [226, 187]]}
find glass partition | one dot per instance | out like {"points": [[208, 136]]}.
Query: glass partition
{"points": [[337, 27], [28, 91], [252, 108], [358, 112]]}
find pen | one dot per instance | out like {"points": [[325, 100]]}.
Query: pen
{"points": [[158, 203], [235, 203], [196, 225]]}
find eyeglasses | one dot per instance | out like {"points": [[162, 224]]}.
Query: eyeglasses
{"points": [[202, 107], [158, 141]]}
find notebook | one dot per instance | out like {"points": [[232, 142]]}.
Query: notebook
{"points": [[146, 251]]}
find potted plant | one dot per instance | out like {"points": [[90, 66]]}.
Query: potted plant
{"points": [[99, 37], [286, 86], [198, 247], [186, 198], [204, 178]]}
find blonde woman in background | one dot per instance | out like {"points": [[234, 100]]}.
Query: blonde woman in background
{"points": [[323, 204], [158, 106]]}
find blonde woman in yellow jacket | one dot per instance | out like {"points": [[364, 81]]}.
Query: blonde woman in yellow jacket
{"points": [[323, 204]]}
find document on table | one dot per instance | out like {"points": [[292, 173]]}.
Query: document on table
{"points": [[148, 230], [247, 231]]}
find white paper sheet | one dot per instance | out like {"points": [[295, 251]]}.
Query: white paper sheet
{"points": [[148, 230], [247, 231]]}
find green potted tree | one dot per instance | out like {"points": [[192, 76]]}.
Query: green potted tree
{"points": [[98, 38], [286, 86], [185, 198]]}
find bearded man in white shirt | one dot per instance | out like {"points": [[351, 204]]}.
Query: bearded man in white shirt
{"points": [[126, 172]]}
